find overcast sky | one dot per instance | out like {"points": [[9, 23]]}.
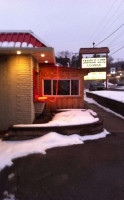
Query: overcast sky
{"points": [[68, 24]]}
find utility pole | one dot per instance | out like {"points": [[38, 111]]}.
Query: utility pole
{"points": [[106, 70]]}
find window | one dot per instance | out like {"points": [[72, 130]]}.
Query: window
{"points": [[65, 87], [74, 87], [47, 87]]}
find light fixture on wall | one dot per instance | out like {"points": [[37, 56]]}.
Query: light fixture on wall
{"points": [[42, 55], [19, 52], [46, 61]]}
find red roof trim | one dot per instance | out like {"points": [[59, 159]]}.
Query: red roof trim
{"points": [[29, 37], [3, 37], [21, 37]]}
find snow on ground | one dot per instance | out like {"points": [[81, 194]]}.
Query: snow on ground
{"points": [[120, 87], [115, 95], [11, 150], [113, 86], [68, 117], [90, 100], [8, 196]]}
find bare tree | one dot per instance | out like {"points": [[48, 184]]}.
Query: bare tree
{"points": [[63, 58]]}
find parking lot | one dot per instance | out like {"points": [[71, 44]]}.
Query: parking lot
{"points": [[90, 171]]}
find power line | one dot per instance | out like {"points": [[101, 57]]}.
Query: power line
{"points": [[117, 50], [117, 18], [116, 42], [103, 20], [109, 35], [116, 47], [112, 17], [116, 39]]}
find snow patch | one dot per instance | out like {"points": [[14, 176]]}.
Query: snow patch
{"points": [[115, 95], [24, 44], [8, 196], [11, 176], [30, 45], [17, 44], [11, 44], [4, 44], [68, 118], [11, 150]]}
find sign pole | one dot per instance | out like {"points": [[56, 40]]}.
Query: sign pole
{"points": [[106, 70]]}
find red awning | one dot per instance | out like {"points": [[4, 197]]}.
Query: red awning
{"points": [[20, 39]]}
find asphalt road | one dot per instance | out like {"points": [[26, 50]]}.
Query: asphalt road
{"points": [[90, 171]]}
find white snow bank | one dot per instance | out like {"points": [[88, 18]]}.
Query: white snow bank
{"points": [[69, 117], [4, 44], [115, 95], [90, 100], [10, 44], [12, 150], [120, 88], [24, 44], [17, 44]]}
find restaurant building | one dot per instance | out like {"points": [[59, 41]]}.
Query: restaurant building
{"points": [[30, 81]]}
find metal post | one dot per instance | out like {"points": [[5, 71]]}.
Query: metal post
{"points": [[106, 70]]}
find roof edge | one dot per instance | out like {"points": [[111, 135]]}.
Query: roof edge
{"points": [[16, 31], [94, 50], [42, 41], [26, 31], [36, 49]]}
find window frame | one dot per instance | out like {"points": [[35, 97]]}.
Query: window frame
{"points": [[70, 95]]}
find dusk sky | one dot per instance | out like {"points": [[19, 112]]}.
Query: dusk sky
{"points": [[68, 24]]}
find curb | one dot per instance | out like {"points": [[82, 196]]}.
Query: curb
{"points": [[23, 133]]}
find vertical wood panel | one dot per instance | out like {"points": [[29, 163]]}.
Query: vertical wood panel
{"points": [[47, 72]]}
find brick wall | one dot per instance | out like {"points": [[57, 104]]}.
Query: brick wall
{"points": [[16, 90]]}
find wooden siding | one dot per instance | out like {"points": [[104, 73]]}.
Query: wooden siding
{"points": [[62, 102]]}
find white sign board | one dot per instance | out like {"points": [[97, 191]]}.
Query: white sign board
{"points": [[94, 62], [113, 70]]}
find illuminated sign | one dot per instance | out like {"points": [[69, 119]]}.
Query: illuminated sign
{"points": [[94, 62], [113, 71], [95, 75]]}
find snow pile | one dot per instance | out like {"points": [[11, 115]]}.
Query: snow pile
{"points": [[90, 100], [115, 95], [8, 196], [73, 118], [120, 87], [6, 44], [69, 117], [12, 150], [110, 84]]}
